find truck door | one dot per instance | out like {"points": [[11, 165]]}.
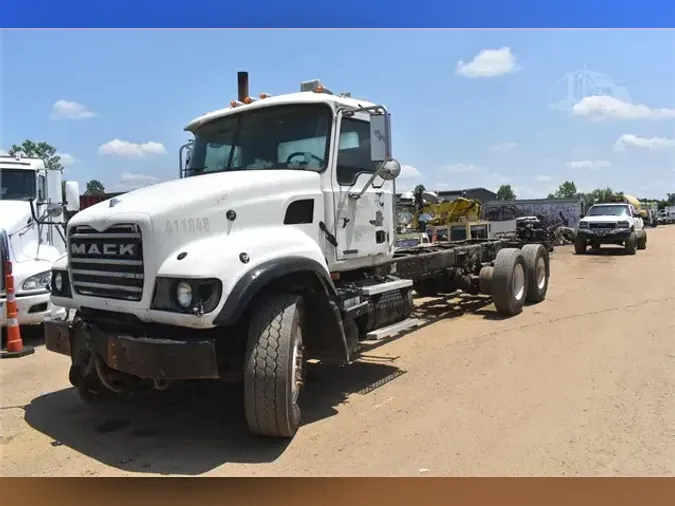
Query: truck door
{"points": [[363, 226]]}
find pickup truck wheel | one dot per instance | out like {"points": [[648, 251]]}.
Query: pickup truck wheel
{"points": [[580, 246], [630, 246], [275, 366], [537, 271], [642, 241], [509, 282]]}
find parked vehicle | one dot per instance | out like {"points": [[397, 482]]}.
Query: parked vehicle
{"points": [[31, 234], [611, 223], [242, 275]]}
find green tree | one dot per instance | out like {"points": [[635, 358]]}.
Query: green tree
{"points": [[94, 187], [567, 190], [505, 192], [38, 150]]}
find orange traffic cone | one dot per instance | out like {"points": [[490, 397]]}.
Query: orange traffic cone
{"points": [[15, 347]]}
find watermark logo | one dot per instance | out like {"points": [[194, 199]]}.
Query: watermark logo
{"points": [[575, 86]]}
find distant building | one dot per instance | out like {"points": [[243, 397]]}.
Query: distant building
{"points": [[482, 195]]}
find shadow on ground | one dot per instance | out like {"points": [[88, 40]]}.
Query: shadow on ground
{"points": [[31, 335], [191, 428]]}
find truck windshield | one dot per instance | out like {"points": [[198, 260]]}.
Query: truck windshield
{"points": [[617, 210], [17, 184], [280, 137]]}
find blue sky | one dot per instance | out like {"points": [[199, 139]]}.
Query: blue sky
{"points": [[115, 102]]}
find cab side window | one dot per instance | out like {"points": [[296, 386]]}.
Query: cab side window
{"points": [[354, 151], [42, 190]]}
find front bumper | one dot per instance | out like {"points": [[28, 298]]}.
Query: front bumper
{"points": [[604, 235], [32, 309], [162, 359]]}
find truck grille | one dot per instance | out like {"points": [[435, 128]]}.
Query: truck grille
{"points": [[603, 226], [107, 264]]}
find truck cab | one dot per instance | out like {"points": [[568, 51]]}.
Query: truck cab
{"points": [[29, 192], [616, 223]]}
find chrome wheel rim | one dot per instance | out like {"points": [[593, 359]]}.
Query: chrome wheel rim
{"points": [[518, 285], [541, 273], [297, 367]]}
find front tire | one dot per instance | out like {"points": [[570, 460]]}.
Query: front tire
{"points": [[274, 372], [630, 246], [642, 241], [580, 246]]}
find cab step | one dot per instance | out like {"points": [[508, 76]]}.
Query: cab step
{"points": [[393, 329]]}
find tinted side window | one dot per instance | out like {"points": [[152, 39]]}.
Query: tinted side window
{"points": [[354, 151]]}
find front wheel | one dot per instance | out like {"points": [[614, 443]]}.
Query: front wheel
{"points": [[275, 366], [642, 241], [630, 246], [580, 246]]}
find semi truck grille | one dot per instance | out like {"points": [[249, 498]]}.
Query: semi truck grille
{"points": [[107, 264]]}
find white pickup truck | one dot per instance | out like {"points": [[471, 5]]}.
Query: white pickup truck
{"points": [[616, 223]]}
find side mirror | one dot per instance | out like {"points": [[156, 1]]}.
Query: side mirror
{"points": [[390, 170], [380, 137], [53, 196], [72, 196]]}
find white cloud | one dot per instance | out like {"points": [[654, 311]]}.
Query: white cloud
{"points": [[589, 164], [489, 63], [525, 192], [496, 177], [129, 177], [504, 146], [66, 109], [117, 147], [543, 178], [66, 159], [409, 172], [649, 143], [458, 167], [3, 152], [131, 181], [600, 108]]}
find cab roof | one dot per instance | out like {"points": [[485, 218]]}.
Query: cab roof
{"points": [[21, 163], [303, 97]]}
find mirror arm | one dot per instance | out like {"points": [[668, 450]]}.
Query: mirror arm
{"points": [[358, 195]]}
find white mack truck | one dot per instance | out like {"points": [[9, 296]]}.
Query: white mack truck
{"points": [[276, 245], [31, 234]]}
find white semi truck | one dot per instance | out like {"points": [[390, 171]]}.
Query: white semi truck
{"points": [[276, 245], [32, 234]]}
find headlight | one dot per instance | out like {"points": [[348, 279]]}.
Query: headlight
{"points": [[623, 224], [58, 281], [37, 282], [60, 285], [184, 294], [583, 224]]}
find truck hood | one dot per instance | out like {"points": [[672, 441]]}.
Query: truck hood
{"points": [[605, 219], [200, 196], [14, 214]]}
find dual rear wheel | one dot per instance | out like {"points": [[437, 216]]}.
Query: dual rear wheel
{"points": [[518, 276]]}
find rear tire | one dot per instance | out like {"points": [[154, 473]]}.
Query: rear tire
{"points": [[580, 246], [509, 282], [275, 367], [537, 271], [630, 246], [642, 241]]}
